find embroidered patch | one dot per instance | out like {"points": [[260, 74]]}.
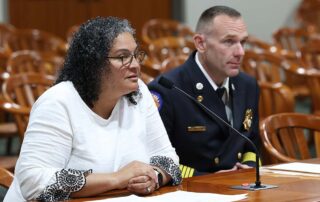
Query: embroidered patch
{"points": [[157, 99]]}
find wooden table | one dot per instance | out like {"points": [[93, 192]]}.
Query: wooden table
{"points": [[291, 188]]}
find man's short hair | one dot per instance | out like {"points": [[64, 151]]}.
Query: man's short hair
{"points": [[208, 15]]}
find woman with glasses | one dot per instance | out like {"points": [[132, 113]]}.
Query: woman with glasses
{"points": [[97, 129]]}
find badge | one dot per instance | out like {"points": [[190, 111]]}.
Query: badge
{"points": [[247, 119], [196, 128], [157, 99]]}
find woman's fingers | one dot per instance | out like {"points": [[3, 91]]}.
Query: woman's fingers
{"points": [[142, 185]]}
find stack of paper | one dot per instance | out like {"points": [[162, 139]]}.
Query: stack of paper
{"points": [[179, 196], [298, 167]]}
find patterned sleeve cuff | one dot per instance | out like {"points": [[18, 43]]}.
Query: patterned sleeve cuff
{"points": [[67, 181], [169, 166]]}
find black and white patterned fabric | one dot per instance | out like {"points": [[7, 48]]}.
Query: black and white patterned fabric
{"points": [[168, 165], [67, 181]]}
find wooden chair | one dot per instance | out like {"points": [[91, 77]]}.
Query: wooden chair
{"points": [[6, 178], [166, 47], [285, 135], [5, 31], [257, 45], [37, 40], [33, 61], [158, 28], [149, 70], [275, 98], [264, 66], [172, 62], [269, 67], [293, 39], [308, 13], [20, 91], [310, 53], [312, 81]]}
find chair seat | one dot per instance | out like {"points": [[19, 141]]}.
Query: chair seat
{"points": [[8, 162]]}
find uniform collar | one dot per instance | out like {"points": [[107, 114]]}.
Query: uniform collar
{"points": [[225, 83]]}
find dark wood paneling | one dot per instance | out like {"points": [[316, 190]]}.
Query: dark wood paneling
{"points": [[58, 15]]}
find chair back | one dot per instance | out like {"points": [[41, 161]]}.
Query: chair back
{"points": [[172, 62], [6, 178], [275, 98], [312, 81], [149, 70], [32, 61], [166, 47], [20, 92], [5, 31], [310, 53], [264, 66], [257, 45], [308, 13], [158, 28], [34, 39], [293, 39], [285, 135]]}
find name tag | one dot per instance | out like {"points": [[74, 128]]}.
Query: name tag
{"points": [[196, 128]]}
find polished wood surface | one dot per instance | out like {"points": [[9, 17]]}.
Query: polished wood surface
{"points": [[291, 188], [57, 16]]}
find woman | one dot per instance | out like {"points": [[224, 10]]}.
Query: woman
{"points": [[97, 128]]}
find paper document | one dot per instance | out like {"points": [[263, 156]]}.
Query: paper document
{"points": [[297, 167], [184, 196]]}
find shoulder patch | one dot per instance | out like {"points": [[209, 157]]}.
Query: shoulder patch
{"points": [[157, 99]]}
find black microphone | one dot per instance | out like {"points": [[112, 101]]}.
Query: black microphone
{"points": [[257, 186]]}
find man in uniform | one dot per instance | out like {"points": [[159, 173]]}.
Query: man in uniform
{"points": [[211, 75]]}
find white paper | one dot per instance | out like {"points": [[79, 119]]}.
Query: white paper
{"points": [[184, 196], [298, 167]]}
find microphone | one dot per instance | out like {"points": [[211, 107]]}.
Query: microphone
{"points": [[163, 81]]}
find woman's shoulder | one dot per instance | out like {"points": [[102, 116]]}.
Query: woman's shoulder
{"points": [[61, 92]]}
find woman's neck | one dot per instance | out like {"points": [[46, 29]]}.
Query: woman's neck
{"points": [[104, 106]]}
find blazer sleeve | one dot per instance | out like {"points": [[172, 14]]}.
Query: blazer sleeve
{"points": [[45, 152]]}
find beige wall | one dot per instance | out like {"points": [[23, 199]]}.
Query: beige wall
{"points": [[3, 11], [262, 17]]}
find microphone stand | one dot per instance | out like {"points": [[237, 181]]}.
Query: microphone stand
{"points": [[253, 187]]}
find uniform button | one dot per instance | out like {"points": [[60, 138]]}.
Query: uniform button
{"points": [[216, 160], [239, 155], [199, 86], [200, 98]]}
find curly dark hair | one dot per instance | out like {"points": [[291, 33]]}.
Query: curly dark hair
{"points": [[86, 59]]}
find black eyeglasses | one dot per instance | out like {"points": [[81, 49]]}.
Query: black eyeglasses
{"points": [[126, 60]]}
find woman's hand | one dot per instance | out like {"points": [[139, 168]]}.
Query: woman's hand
{"points": [[139, 175], [142, 185]]}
